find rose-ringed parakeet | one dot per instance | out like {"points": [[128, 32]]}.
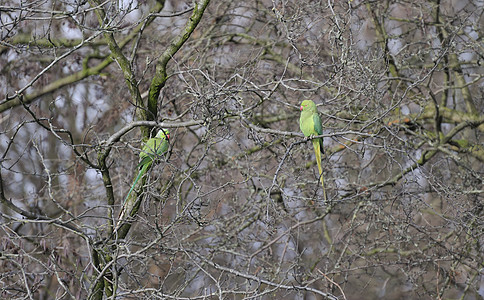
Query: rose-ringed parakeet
{"points": [[154, 148], [310, 124]]}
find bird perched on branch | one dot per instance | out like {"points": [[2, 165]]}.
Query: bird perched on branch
{"points": [[310, 124], [153, 149]]}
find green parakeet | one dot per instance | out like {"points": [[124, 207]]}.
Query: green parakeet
{"points": [[310, 124], [153, 148]]}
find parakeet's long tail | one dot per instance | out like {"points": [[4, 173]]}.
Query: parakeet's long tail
{"points": [[141, 172], [317, 150]]}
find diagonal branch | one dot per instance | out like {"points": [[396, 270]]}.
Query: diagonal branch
{"points": [[160, 76]]}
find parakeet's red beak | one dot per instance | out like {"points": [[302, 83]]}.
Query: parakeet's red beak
{"points": [[301, 108], [167, 136]]}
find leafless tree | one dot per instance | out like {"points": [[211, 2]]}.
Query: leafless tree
{"points": [[235, 209]]}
